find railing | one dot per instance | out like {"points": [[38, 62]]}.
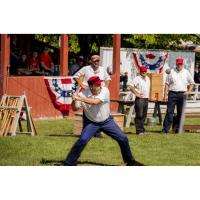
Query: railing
{"points": [[195, 94]]}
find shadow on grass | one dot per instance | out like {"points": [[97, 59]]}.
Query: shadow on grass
{"points": [[154, 131], [61, 163], [129, 133], [88, 163], [64, 135], [52, 162]]}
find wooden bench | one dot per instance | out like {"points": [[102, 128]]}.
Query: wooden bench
{"points": [[193, 127]]}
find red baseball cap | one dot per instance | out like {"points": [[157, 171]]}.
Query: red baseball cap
{"points": [[94, 80], [143, 68], [179, 60]]}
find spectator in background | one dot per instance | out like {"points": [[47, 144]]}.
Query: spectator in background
{"points": [[15, 54], [34, 62], [34, 66], [77, 66], [124, 80], [23, 66], [46, 63], [23, 62], [197, 74]]}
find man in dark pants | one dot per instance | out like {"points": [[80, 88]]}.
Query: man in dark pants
{"points": [[96, 104], [141, 88], [179, 83]]}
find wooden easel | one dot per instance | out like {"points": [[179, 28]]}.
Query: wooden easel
{"points": [[10, 109]]}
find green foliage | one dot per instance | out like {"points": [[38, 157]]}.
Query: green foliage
{"points": [[73, 43], [91, 43], [50, 39], [87, 44], [158, 41]]}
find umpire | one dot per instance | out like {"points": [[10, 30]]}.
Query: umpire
{"points": [[178, 85]]}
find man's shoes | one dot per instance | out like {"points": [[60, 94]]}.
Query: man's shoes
{"points": [[164, 132], [134, 163], [177, 132], [141, 133], [67, 164]]}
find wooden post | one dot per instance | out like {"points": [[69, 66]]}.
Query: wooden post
{"points": [[64, 55], [4, 62], [115, 83]]}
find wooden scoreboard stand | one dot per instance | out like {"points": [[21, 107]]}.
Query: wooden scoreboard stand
{"points": [[156, 87]]}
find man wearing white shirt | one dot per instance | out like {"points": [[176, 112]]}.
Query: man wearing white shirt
{"points": [[96, 104], [141, 88], [178, 85], [94, 69]]}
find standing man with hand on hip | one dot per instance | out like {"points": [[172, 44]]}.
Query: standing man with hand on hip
{"points": [[96, 104], [178, 85], [141, 88]]}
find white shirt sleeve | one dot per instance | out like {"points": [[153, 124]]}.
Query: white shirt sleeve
{"points": [[81, 72], [189, 78]]}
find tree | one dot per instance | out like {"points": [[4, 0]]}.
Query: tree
{"points": [[91, 43], [158, 41], [87, 44]]}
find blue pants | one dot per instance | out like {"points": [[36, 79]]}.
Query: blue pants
{"points": [[141, 108], [110, 128], [174, 99]]}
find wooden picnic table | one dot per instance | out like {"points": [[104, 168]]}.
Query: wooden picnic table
{"points": [[131, 111]]}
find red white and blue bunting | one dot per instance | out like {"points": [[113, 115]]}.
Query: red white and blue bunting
{"points": [[60, 90], [154, 61]]}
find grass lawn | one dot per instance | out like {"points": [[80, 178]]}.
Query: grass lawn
{"points": [[55, 139]]}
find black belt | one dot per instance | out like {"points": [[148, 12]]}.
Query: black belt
{"points": [[176, 92]]}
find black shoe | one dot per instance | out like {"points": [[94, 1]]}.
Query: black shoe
{"points": [[134, 163], [164, 132], [67, 164]]}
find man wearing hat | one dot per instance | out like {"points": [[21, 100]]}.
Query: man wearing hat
{"points": [[178, 85], [94, 69], [95, 101], [140, 86]]}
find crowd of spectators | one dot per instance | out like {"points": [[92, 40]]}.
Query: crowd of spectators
{"points": [[34, 64]]}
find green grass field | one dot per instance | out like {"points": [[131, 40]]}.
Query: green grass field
{"points": [[55, 139]]}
